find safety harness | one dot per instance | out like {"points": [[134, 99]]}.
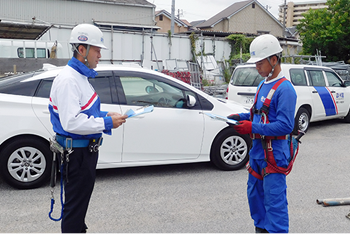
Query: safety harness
{"points": [[57, 150], [267, 140]]}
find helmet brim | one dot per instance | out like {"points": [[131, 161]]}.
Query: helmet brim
{"points": [[254, 60]]}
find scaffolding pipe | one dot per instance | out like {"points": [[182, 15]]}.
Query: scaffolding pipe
{"points": [[334, 201]]}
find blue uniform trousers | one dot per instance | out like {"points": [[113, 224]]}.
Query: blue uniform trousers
{"points": [[267, 199], [81, 180]]}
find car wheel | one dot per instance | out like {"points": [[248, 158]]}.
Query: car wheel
{"points": [[230, 150], [347, 117], [302, 121], [26, 163]]}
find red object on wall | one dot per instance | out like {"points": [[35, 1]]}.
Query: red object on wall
{"points": [[184, 76]]}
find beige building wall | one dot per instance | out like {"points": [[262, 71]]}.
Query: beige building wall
{"points": [[250, 20], [294, 11], [165, 25]]}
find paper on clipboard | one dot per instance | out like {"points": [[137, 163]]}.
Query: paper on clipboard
{"points": [[140, 111], [222, 118]]}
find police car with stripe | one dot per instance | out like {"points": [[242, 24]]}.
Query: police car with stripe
{"points": [[322, 94]]}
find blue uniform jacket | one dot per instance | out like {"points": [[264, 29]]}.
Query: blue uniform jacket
{"points": [[75, 106], [281, 117]]}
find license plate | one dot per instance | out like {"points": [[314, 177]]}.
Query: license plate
{"points": [[249, 100]]}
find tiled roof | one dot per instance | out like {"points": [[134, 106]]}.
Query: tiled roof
{"points": [[197, 23], [186, 22], [229, 11]]}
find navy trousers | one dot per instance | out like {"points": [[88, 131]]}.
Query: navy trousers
{"points": [[79, 184]]}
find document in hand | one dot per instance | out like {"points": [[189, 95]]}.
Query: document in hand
{"points": [[222, 118], [140, 111]]}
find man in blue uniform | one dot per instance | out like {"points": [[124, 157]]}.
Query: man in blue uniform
{"points": [[267, 195], [79, 123]]}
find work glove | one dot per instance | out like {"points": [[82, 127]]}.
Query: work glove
{"points": [[243, 127], [234, 117]]}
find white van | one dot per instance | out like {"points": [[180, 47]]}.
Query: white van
{"points": [[10, 48], [322, 94]]}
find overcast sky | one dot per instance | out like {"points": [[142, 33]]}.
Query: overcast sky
{"points": [[193, 10]]}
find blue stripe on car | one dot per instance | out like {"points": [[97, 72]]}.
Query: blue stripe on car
{"points": [[327, 100]]}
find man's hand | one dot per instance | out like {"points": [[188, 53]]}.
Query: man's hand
{"points": [[117, 118], [243, 127], [234, 117]]}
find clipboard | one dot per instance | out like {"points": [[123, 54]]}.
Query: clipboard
{"points": [[221, 118], [140, 111]]}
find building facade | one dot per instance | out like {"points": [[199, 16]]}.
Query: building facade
{"points": [[244, 17], [163, 19], [20, 15], [294, 11]]}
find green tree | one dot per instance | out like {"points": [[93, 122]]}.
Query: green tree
{"points": [[327, 30], [238, 42]]}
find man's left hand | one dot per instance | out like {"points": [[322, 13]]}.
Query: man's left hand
{"points": [[243, 127]]}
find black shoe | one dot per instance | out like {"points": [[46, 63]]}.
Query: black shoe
{"points": [[85, 228], [260, 230]]}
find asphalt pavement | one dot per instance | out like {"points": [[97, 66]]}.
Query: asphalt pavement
{"points": [[198, 198]]}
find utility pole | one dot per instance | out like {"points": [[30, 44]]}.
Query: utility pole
{"points": [[179, 13], [172, 16], [284, 18]]}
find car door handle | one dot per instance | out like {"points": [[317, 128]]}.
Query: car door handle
{"points": [[332, 91], [314, 91], [46, 112]]}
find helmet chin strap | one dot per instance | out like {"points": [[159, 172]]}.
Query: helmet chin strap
{"points": [[272, 70], [85, 57]]}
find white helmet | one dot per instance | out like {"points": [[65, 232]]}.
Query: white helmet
{"points": [[263, 47], [87, 34]]}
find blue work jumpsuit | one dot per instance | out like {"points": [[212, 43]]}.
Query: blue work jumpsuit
{"points": [[268, 197]]}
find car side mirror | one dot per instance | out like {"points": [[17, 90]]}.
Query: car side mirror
{"points": [[191, 101], [151, 89]]}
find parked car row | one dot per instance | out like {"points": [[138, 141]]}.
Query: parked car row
{"points": [[322, 94], [175, 132]]}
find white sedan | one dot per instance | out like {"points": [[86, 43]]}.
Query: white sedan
{"points": [[175, 132]]}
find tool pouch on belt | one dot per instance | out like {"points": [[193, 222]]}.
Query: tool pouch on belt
{"points": [[95, 144], [293, 142], [57, 150]]}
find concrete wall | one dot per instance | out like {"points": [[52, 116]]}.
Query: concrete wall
{"points": [[64, 12], [136, 46], [11, 65]]}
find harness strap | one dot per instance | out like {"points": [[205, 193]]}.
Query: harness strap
{"points": [[61, 198], [271, 162], [267, 140], [254, 173], [254, 136], [266, 105]]}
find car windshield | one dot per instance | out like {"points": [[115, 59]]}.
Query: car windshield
{"points": [[246, 76]]}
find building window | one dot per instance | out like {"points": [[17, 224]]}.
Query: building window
{"points": [[253, 5], [263, 32], [30, 53], [161, 18]]}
